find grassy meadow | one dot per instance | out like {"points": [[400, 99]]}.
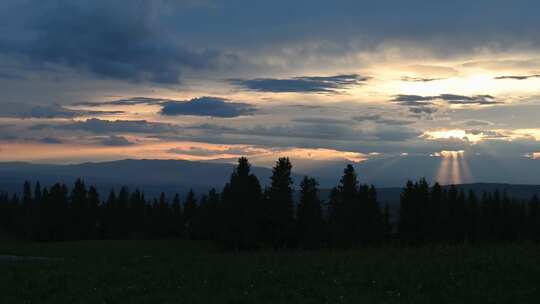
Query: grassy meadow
{"points": [[196, 272]]}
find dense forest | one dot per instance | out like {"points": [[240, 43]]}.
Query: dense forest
{"points": [[246, 216]]}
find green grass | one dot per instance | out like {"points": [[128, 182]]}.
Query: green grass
{"points": [[194, 272]]}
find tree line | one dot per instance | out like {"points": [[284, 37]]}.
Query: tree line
{"points": [[246, 216]]}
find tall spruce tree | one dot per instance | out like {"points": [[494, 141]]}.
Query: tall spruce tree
{"points": [[29, 211], [204, 224], [407, 215], [93, 214], [190, 211], [374, 227], [177, 217], [350, 231], [334, 214], [136, 214], [109, 212], [121, 220], [436, 213], [280, 210], [310, 222], [79, 211], [241, 208], [58, 215]]}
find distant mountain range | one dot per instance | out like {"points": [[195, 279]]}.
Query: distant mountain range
{"points": [[178, 176], [152, 176]]}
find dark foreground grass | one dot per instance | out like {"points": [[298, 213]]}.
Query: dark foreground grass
{"points": [[193, 272]]}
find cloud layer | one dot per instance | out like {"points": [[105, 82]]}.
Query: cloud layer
{"points": [[303, 84], [207, 106], [115, 40], [373, 78], [418, 100]]}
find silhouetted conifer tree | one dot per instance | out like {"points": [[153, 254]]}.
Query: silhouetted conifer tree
{"points": [[241, 208], [78, 215], [353, 217], [335, 214], [136, 215], [177, 217], [310, 223], [57, 217], [206, 220], [279, 210], [190, 211], [29, 210], [407, 215], [358, 215], [436, 215], [109, 215], [93, 223]]}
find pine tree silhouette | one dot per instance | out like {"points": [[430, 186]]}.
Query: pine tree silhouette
{"points": [[190, 212], [279, 211], [241, 208], [93, 223], [310, 222], [352, 217], [78, 214], [177, 217]]}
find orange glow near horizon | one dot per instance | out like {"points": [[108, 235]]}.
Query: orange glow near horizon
{"points": [[148, 149]]}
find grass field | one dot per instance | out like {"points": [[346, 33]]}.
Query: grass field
{"points": [[193, 272]]}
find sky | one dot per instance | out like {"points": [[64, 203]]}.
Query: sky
{"points": [[322, 82]]}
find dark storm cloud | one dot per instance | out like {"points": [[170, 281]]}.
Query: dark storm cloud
{"points": [[418, 100], [114, 40], [208, 106], [518, 77], [302, 84]]}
